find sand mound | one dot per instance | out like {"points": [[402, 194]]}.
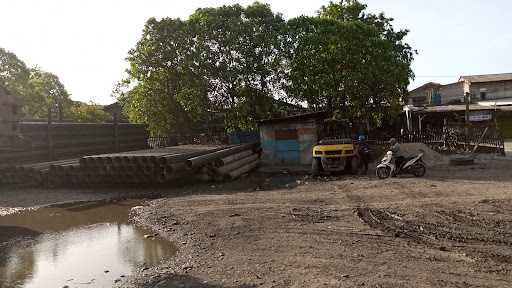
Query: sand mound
{"points": [[430, 156]]}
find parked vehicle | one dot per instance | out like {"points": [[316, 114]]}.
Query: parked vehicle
{"points": [[412, 165], [335, 150]]}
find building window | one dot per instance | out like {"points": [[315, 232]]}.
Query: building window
{"points": [[483, 95]]}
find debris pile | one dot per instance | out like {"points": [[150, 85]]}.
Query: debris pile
{"points": [[430, 156]]}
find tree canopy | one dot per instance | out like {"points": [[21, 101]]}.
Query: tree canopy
{"points": [[224, 59], [236, 60], [90, 112], [38, 90]]}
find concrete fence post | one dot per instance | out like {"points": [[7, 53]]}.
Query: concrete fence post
{"points": [[49, 136], [116, 133]]}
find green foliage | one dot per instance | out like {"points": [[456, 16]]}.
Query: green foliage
{"points": [[350, 62], [14, 74], [38, 90], [46, 90], [87, 113], [181, 71], [235, 59]]}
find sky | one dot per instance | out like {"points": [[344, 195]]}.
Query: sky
{"points": [[85, 42]]}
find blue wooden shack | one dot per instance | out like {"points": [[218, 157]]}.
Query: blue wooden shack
{"points": [[289, 140]]}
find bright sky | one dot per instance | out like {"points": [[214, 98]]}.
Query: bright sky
{"points": [[85, 42]]}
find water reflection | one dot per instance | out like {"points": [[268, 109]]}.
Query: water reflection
{"points": [[79, 243]]}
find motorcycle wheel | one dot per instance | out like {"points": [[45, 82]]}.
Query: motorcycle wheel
{"points": [[419, 170], [383, 172]]}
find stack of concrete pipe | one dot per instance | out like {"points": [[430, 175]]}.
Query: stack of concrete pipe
{"points": [[136, 168], [32, 174], [231, 165], [145, 167]]}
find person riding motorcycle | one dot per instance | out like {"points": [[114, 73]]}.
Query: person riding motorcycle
{"points": [[397, 155]]}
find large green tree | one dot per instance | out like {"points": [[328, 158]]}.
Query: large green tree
{"points": [[349, 62], [46, 90], [224, 59], [235, 60], [14, 74], [39, 90]]}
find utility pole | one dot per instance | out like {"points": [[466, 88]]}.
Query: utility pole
{"points": [[49, 136], [467, 100]]}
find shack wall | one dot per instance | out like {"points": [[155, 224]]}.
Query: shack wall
{"points": [[452, 93], [288, 143], [493, 90]]}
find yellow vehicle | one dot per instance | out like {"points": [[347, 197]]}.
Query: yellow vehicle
{"points": [[335, 150]]}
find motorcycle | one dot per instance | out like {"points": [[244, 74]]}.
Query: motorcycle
{"points": [[413, 165]]}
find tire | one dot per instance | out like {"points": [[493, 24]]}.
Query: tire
{"points": [[316, 167], [348, 165], [383, 172], [419, 170]]}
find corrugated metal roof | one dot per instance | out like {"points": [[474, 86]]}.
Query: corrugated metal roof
{"points": [[487, 78], [426, 86], [454, 108], [303, 116]]}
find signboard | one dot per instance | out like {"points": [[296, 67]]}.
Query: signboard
{"points": [[478, 116]]}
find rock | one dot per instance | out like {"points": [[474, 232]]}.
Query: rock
{"points": [[187, 267], [221, 254], [117, 280], [65, 286], [122, 276], [148, 236], [106, 271], [235, 215], [145, 269], [442, 248], [345, 276], [212, 235]]}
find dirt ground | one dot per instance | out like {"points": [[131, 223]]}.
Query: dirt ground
{"points": [[452, 228]]}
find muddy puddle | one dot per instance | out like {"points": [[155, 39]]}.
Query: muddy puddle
{"points": [[77, 245]]}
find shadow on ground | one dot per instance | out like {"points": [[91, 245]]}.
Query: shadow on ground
{"points": [[185, 281]]}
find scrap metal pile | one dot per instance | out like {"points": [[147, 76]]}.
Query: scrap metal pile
{"points": [[145, 167]]}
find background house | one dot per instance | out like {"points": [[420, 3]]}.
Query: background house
{"points": [[491, 89], [434, 105]]}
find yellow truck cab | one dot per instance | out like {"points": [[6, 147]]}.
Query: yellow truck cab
{"points": [[335, 150]]}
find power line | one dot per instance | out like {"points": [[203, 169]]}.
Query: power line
{"points": [[436, 76]]}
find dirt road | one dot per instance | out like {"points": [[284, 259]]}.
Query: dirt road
{"points": [[450, 229]]}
